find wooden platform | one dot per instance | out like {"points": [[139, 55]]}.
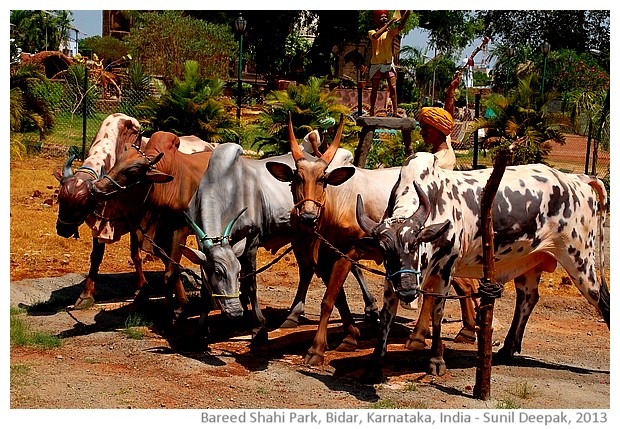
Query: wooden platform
{"points": [[370, 123]]}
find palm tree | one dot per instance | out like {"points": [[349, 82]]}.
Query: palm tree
{"points": [[523, 118], [587, 110], [308, 104], [27, 109], [191, 106]]}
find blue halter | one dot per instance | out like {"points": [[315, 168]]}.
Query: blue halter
{"points": [[392, 275]]}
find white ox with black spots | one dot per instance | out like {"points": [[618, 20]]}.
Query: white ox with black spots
{"points": [[540, 217]]}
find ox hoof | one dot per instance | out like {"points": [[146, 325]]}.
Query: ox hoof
{"points": [[289, 324], [313, 359], [503, 357], [465, 336], [373, 375], [84, 302], [415, 344], [348, 345], [372, 316], [141, 297], [437, 366], [259, 336]]}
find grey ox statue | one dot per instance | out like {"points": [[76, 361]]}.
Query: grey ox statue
{"points": [[238, 208]]}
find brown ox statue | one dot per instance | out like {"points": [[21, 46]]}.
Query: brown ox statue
{"points": [[77, 203], [154, 205], [325, 203]]}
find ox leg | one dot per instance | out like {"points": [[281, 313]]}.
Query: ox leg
{"points": [[437, 365], [305, 276], [417, 338], [349, 344], [527, 296], [374, 371], [248, 285], [206, 305], [463, 286], [136, 257], [371, 311], [87, 297], [316, 353]]}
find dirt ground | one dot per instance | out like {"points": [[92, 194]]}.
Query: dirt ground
{"points": [[565, 362]]}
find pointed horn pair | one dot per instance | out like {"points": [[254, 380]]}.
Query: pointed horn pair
{"points": [[229, 227], [202, 237], [67, 171], [328, 156], [296, 150]]}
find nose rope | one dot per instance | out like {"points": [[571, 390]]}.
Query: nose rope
{"points": [[321, 204], [217, 295]]}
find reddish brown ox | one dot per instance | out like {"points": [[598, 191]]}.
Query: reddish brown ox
{"points": [[330, 211], [154, 204], [78, 205]]}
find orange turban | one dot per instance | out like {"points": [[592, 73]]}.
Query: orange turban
{"points": [[438, 118], [376, 15]]}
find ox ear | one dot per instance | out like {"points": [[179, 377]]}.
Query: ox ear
{"points": [[280, 171], [340, 175], [157, 176], [239, 247], [433, 232], [194, 255]]}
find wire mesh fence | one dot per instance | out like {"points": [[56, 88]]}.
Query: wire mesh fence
{"points": [[79, 111]]}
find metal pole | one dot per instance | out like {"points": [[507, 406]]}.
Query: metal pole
{"points": [[506, 86], [84, 111], [239, 78], [477, 115], [542, 88]]}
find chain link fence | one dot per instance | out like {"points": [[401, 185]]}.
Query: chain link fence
{"points": [[77, 122]]}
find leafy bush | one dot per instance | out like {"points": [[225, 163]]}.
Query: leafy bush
{"points": [[193, 105], [165, 40], [308, 104]]}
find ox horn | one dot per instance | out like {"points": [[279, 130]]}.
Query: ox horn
{"points": [[228, 228], [202, 237], [366, 223], [423, 211], [333, 147], [67, 171], [296, 151]]}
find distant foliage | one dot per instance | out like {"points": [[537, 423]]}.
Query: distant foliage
{"points": [[165, 40], [192, 105], [308, 104]]}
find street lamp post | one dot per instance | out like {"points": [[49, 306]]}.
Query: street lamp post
{"points": [[509, 54], [545, 48], [240, 25]]}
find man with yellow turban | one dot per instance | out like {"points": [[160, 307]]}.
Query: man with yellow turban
{"points": [[436, 125]]}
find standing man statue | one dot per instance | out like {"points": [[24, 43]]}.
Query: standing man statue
{"points": [[382, 61]]}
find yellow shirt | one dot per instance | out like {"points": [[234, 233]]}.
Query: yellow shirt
{"points": [[382, 46]]}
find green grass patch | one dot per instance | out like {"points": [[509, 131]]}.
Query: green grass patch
{"points": [[411, 386], [507, 404], [384, 404], [133, 322], [19, 375], [523, 390], [22, 334]]}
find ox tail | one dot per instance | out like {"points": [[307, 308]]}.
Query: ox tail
{"points": [[603, 302]]}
